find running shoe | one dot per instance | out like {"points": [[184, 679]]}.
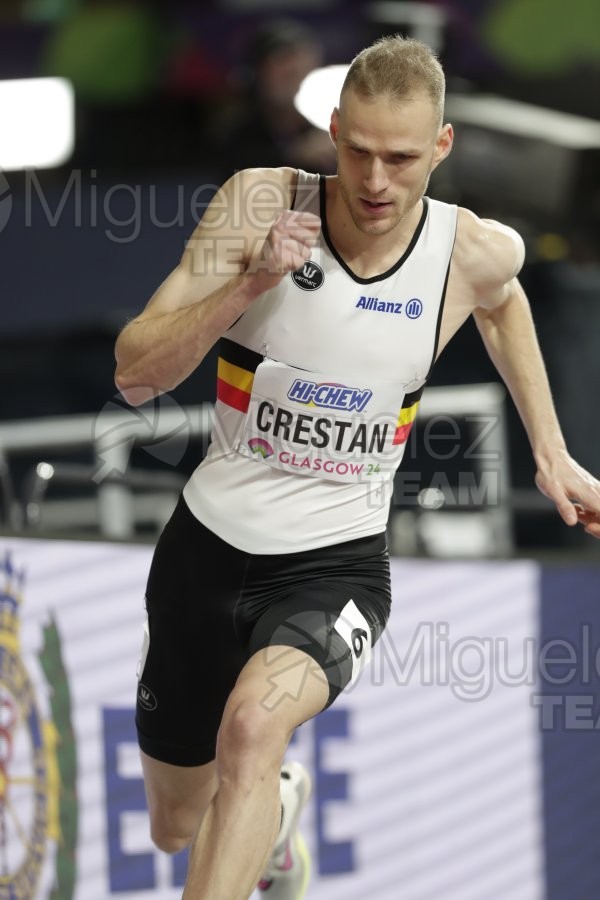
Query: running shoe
{"points": [[287, 874]]}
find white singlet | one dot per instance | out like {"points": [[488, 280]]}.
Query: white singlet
{"points": [[318, 384]]}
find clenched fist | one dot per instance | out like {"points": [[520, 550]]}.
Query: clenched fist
{"points": [[286, 248]]}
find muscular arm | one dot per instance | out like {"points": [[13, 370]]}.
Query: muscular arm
{"points": [[158, 350], [509, 335], [505, 323], [236, 254]]}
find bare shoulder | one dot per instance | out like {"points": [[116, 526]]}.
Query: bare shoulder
{"points": [[239, 216], [251, 199], [488, 255]]}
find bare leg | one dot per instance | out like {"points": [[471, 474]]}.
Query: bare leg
{"points": [[236, 837], [178, 797]]}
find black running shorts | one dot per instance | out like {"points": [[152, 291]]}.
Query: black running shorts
{"points": [[210, 607]]}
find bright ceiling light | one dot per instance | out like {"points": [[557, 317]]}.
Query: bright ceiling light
{"points": [[38, 122], [524, 120], [319, 94], [320, 91]]}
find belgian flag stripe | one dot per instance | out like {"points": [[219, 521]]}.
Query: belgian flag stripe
{"points": [[405, 422], [401, 433], [407, 415], [234, 375], [234, 353], [411, 399], [233, 396]]}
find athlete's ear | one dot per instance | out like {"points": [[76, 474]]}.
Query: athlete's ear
{"points": [[334, 126], [443, 144]]}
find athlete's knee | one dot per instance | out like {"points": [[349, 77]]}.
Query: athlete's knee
{"points": [[250, 733], [173, 825], [169, 842], [169, 833]]}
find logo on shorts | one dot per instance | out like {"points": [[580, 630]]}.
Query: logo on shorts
{"points": [[146, 698], [359, 636], [310, 277]]}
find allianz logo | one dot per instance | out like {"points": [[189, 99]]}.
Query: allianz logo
{"points": [[413, 308]]}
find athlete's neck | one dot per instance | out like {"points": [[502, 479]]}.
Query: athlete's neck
{"points": [[367, 254]]}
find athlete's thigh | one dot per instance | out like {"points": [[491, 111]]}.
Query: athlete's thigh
{"points": [[178, 795], [333, 606], [192, 655], [282, 686]]}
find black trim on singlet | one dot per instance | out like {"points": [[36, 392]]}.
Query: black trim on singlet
{"points": [[305, 192], [438, 326], [344, 265], [292, 206], [413, 397], [293, 203], [236, 321], [240, 356]]}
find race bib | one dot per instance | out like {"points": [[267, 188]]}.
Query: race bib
{"points": [[312, 424]]}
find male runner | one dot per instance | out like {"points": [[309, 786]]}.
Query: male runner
{"points": [[331, 299]]}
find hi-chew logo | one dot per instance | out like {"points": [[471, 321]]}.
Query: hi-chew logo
{"points": [[310, 277], [329, 396]]}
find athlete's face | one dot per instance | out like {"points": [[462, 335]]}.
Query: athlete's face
{"points": [[386, 152]]}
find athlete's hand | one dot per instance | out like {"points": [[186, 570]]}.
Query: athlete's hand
{"points": [[287, 247], [575, 492]]}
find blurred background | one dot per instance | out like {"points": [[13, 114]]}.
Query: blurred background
{"points": [[170, 99]]}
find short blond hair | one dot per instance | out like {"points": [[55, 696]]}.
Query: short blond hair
{"points": [[395, 67]]}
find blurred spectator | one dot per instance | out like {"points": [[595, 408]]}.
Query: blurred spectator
{"points": [[49, 10], [112, 52], [196, 70], [263, 127], [11, 10], [117, 54]]}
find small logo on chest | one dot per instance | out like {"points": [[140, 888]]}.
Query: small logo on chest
{"points": [[413, 308], [374, 304], [309, 277]]}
